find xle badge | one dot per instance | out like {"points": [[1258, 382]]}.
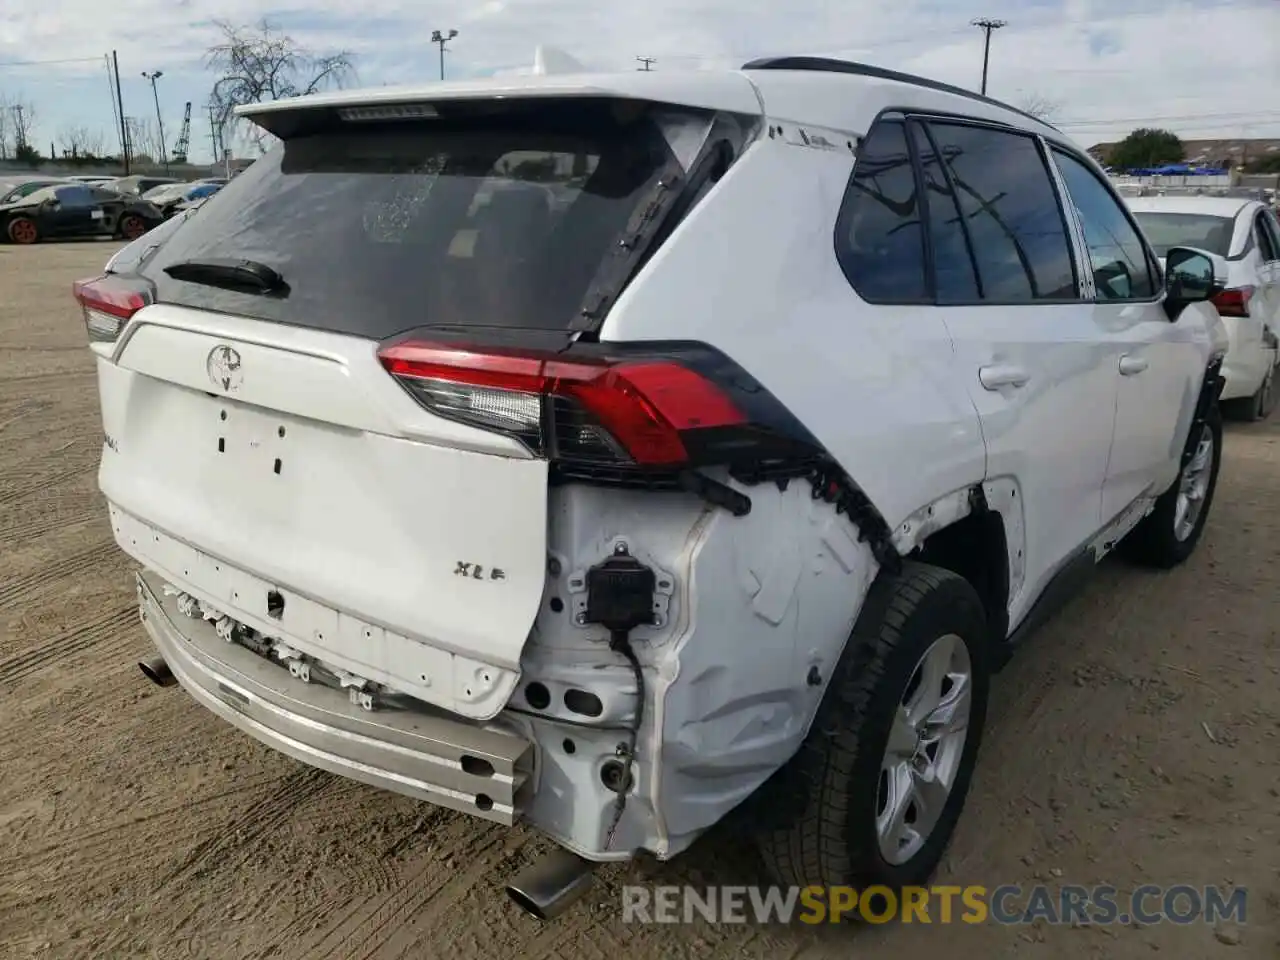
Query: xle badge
{"points": [[476, 571]]}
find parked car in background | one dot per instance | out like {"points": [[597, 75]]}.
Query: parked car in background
{"points": [[138, 185], [168, 197], [1247, 234], [15, 188], [75, 210], [567, 509], [91, 178]]}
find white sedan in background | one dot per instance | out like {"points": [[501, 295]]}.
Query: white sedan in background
{"points": [[1246, 234]]}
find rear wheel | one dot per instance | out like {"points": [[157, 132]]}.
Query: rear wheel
{"points": [[132, 226], [875, 792], [1169, 534], [23, 230]]}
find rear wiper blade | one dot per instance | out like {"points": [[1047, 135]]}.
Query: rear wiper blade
{"points": [[246, 276]]}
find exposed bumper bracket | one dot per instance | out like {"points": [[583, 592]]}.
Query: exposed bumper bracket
{"points": [[473, 768]]}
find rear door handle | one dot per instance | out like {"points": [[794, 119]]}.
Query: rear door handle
{"points": [[1002, 375], [1131, 365]]}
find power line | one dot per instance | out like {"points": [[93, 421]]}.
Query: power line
{"points": [[1263, 117], [45, 63], [916, 37]]}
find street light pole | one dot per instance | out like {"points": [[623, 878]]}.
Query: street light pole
{"points": [[440, 38], [153, 76], [987, 25]]}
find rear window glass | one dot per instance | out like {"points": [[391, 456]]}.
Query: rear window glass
{"points": [[1166, 230], [498, 221]]}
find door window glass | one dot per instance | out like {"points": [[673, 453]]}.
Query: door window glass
{"points": [[1011, 210], [1117, 255]]}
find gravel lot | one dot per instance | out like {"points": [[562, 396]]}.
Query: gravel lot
{"points": [[1136, 740]]}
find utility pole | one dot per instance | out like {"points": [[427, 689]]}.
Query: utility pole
{"points": [[987, 25], [440, 38], [646, 64], [21, 140], [124, 132], [153, 76]]}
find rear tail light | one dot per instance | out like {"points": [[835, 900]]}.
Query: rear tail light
{"points": [[108, 303], [650, 420], [1234, 302], [646, 413]]}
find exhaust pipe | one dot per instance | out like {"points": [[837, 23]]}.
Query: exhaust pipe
{"points": [[551, 885], [157, 671]]}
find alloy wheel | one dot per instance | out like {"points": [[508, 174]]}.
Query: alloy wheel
{"points": [[926, 743], [1193, 486]]}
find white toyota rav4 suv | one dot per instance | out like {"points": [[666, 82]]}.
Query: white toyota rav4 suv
{"points": [[611, 453]]}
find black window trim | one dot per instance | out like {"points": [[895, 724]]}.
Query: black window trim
{"points": [[915, 123], [1153, 262], [924, 118]]}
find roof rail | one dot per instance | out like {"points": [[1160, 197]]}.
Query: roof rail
{"points": [[831, 65]]}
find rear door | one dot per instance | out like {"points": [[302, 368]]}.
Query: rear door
{"points": [[1037, 364], [71, 211], [259, 449]]}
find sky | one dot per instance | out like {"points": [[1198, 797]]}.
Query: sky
{"points": [[1203, 68]]}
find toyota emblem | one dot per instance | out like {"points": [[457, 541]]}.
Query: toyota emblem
{"points": [[224, 368]]}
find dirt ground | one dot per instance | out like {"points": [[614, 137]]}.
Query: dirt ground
{"points": [[1135, 740]]}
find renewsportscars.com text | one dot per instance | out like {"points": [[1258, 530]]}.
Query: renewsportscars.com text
{"points": [[1007, 904]]}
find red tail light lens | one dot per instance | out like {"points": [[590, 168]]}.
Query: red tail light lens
{"points": [[622, 412], [108, 303], [1234, 302]]}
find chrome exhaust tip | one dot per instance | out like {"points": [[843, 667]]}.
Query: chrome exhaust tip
{"points": [[157, 671], [551, 885]]}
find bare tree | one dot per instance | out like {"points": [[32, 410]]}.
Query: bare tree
{"points": [[144, 140], [23, 117], [6, 126], [1039, 106], [259, 63], [80, 141]]}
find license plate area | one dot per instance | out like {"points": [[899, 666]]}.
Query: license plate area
{"points": [[335, 638], [248, 439]]}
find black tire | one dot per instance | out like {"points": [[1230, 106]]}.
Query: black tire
{"points": [[132, 227], [823, 801], [1154, 542]]}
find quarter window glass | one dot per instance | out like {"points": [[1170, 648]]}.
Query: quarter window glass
{"points": [[954, 279], [1011, 210], [1117, 257], [881, 246]]}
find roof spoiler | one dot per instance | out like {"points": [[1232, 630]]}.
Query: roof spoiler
{"points": [[549, 61]]}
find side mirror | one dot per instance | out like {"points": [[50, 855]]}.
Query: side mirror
{"points": [[1190, 276]]}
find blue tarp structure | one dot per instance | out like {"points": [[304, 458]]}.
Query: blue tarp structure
{"points": [[1178, 169]]}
